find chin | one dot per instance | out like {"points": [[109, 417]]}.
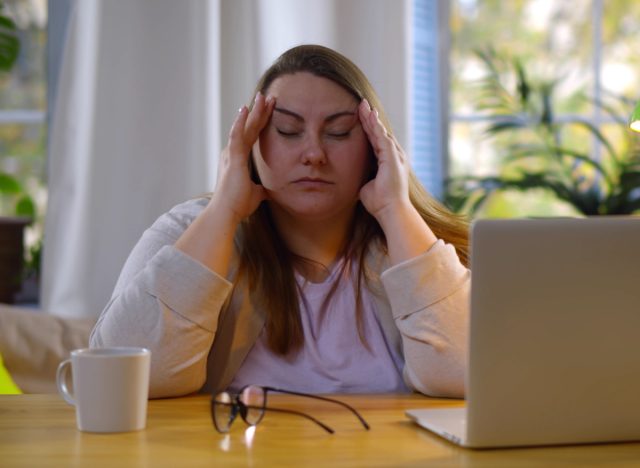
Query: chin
{"points": [[312, 206], [310, 212], [314, 212]]}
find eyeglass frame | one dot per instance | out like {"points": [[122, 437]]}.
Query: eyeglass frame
{"points": [[238, 406]]}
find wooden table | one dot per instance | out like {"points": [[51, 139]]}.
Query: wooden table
{"points": [[40, 431]]}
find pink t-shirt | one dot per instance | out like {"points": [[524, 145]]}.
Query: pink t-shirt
{"points": [[333, 359]]}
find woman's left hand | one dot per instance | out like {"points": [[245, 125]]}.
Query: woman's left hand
{"points": [[390, 187], [386, 196]]}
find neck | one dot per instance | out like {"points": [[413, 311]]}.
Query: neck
{"points": [[320, 241]]}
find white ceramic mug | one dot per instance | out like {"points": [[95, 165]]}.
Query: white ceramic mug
{"points": [[110, 387]]}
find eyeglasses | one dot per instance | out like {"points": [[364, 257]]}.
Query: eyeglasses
{"points": [[251, 403]]}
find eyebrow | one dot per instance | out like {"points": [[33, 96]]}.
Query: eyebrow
{"points": [[301, 119]]}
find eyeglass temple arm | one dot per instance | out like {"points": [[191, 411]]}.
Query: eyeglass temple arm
{"points": [[310, 418], [317, 397]]}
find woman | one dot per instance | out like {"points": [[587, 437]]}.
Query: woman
{"points": [[319, 264]]}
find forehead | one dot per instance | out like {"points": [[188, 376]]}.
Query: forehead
{"points": [[307, 94]]}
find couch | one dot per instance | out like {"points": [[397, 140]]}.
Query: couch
{"points": [[33, 343]]}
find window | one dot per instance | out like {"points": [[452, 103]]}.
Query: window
{"points": [[590, 47], [428, 104], [23, 102]]}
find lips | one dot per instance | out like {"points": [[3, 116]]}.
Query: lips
{"points": [[312, 181]]}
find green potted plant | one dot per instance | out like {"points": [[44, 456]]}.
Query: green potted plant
{"points": [[17, 208], [544, 153]]}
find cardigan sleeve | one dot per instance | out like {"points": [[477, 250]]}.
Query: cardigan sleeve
{"points": [[429, 297], [168, 302]]}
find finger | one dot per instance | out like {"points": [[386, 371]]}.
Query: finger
{"points": [[397, 145], [258, 107], [385, 144], [363, 113], [258, 118], [236, 134], [398, 151], [378, 135], [371, 122]]}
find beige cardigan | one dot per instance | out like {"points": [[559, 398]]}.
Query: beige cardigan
{"points": [[200, 327]]}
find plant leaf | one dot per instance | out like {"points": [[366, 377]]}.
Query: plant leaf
{"points": [[523, 87], [9, 184], [9, 43], [598, 134], [503, 125], [26, 207]]}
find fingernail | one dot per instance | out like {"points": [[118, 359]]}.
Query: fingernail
{"points": [[368, 106], [240, 109], [269, 99], [376, 112], [258, 94]]}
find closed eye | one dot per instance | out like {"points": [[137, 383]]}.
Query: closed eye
{"points": [[287, 134], [339, 134]]}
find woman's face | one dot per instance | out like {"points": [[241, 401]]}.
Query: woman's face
{"points": [[313, 155]]}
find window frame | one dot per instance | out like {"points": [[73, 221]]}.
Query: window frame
{"points": [[595, 117]]}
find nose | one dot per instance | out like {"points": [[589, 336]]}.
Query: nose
{"points": [[313, 153]]}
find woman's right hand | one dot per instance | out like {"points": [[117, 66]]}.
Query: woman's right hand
{"points": [[209, 238], [235, 192]]}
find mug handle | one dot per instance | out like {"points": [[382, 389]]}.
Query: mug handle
{"points": [[61, 381]]}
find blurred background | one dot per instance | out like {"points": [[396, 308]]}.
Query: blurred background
{"points": [[115, 111]]}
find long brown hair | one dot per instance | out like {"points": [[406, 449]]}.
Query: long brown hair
{"points": [[265, 261]]}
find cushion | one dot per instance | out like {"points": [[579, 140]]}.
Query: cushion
{"points": [[33, 343], [7, 385]]}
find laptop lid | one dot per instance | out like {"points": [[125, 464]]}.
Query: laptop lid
{"points": [[554, 353]]}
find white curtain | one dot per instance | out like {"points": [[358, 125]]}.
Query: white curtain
{"points": [[146, 94]]}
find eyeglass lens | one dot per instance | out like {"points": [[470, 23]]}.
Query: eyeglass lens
{"points": [[254, 399], [224, 412], [250, 403]]}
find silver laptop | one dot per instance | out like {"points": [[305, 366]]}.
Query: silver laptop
{"points": [[554, 354]]}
